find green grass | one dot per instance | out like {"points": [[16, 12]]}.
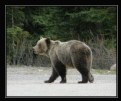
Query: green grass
{"points": [[100, 71]]}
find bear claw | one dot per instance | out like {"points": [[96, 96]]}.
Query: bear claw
{"points": [[62, 81], [47, 81], [82, 82]]}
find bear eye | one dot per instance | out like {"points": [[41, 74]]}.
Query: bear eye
{"points": [[39, 45]]}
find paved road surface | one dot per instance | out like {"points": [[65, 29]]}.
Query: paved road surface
{"points": [[28, 81]]}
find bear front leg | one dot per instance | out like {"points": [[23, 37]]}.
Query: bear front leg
{"points": [[53, 76], [61, 69]]}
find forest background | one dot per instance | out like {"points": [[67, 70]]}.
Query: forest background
{"points": [[95, 25]]}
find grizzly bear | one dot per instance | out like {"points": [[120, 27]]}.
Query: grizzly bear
{"points": [[62, 54]]}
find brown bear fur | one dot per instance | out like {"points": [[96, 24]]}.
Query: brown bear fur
{"points": [[71, 53]]}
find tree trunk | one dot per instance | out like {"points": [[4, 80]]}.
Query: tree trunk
{"points": [[12, 19], [78, 36]]}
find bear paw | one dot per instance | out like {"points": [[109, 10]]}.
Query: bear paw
{"points": [[47, 81], [63, 81], [82, 82]]}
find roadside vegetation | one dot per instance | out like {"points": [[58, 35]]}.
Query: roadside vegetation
{"points": [[96, 26]]}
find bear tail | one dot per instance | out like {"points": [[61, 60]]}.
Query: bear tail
{"points": [[91, 78]]}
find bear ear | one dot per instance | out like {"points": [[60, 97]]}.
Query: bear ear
{"points": [[47, 40], [41, 37]]}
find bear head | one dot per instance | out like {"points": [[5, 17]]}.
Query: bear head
{"points": [[42, 46]]}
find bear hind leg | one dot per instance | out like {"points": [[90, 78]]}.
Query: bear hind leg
{"points": [[84, 79], [84, 73], [81, 66]]}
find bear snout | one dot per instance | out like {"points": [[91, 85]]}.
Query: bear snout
{"points": [[33, 49]]}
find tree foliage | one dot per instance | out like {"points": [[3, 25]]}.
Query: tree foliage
{"points": [[58, 22], [28, 23]]}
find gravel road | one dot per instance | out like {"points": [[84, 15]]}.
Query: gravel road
{"points": [[28, 81]]}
